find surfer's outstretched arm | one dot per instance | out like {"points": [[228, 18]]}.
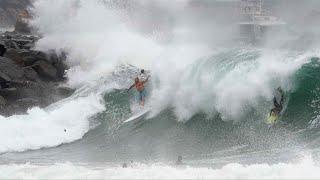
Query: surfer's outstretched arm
{"points": [[130, 87]]}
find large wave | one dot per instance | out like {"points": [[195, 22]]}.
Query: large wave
{"points": [[188, 77], [99, 37]]}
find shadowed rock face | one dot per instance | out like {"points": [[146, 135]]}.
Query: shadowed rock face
{"points": [[3, 49], [28, 77], [10, 10]]}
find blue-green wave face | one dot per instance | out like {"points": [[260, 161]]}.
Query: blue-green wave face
{"points": [[303, 107], [227, 98]]}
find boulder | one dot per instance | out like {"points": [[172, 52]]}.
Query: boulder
{"points": [[28, 46], [8, 91], [22, 41], [3, 102], [59, 63], [11, 44], [14, 55], [4, 81], [30, 74], [3, 49], [28, 77], [4, 77], [30, 57], [29, 60], [25, 90], [19, 106], [11, 69], [46, 70], [53, 58], [25, 57], [6, 36], [65, 91]]}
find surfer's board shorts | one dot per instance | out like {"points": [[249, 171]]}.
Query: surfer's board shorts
{"points": [[142, 95]]}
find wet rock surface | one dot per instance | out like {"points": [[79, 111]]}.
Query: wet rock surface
{"points": [[28, 78]]}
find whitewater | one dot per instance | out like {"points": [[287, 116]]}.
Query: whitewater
{"points": [[209, 99]]}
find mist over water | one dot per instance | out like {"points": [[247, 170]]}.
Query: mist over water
{"points": [[99, 35], [209, 94]]}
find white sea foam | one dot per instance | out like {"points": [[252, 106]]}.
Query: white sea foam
{"points": [[47, 128], [97, 38], [302, 170]]}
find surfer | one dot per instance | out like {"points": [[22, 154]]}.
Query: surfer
{"points": [[275, 112], [179, 161], [140, 86], [124, 165]]}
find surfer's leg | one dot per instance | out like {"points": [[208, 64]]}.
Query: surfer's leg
{"points": [[140, 97], [143, 97], [275, 103]]}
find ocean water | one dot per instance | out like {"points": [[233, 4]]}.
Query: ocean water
{"points": [[208, 102]]}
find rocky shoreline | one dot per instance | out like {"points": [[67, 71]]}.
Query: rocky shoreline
{"points": [[28, 77]]}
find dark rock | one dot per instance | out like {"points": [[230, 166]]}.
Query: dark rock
{"points": [[3, 49], [29, 60], [4, 81], [11, 44], [30, 57], [30, 74], [27, 77], [27, 102], [4, 77], [8, 92], [19, 106], [46, 70], [39, 54], [25, 57], [7, 36], [28, 46], [14, 55], [53, 58], [59, 64], [11, 69], [22, 41], [4, 84], [3, 102], [65, 91]]}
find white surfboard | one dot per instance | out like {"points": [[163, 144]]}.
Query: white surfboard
{"points": [[138, 115]]}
